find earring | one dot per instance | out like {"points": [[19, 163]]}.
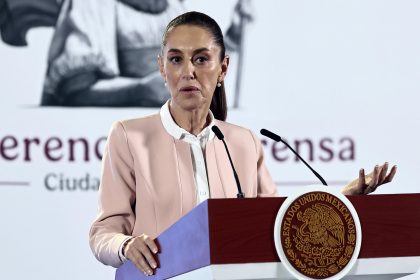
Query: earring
{"points": [[166, 84], [219, 84]]}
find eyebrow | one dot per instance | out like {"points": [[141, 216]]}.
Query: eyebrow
{"points": [[194, 52]]}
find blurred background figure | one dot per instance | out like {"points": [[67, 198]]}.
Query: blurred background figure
{"points": [[103, 53]]}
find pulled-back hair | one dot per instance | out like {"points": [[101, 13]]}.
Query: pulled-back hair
{"points": [[218, 104]]}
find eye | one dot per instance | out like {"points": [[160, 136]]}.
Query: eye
{"points": [[175, 59], [200, 59]]}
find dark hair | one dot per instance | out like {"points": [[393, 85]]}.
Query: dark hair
{"points": [[218, 104]]}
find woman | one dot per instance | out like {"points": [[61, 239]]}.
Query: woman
{"points": [[157, 168]]}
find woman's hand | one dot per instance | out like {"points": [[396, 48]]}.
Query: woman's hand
{"points": [[141, 250], [369, 183]]}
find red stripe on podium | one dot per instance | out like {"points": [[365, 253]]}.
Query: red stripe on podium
{"points": [[390, 227]]}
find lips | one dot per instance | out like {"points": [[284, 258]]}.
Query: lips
{"points": [[189, 89]]}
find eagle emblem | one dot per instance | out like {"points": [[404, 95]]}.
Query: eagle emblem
{"points": [[321, 225], [318, 235]]}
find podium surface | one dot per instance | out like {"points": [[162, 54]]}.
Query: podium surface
{"points": [[234, 239]]}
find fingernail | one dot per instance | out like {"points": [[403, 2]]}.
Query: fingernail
{"points": [[153, 265], [155, 251], [149, 272]]}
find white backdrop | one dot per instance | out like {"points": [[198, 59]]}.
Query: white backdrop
{"points": [[340, 74]]}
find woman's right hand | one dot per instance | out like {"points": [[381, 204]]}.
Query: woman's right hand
{"points": [[140, 250]]}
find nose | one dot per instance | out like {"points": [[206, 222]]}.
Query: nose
{"points": [[189, 70]]}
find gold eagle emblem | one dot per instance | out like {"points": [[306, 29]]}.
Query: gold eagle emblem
{"points": [[321, 225], [318, 235]]}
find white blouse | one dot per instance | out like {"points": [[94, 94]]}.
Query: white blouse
{"points": [[197, 146]]}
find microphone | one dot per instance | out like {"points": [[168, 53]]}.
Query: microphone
{"points": [[277, 138], [221, 137]]}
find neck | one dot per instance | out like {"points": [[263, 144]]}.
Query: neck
{"points": [[193, 121]]}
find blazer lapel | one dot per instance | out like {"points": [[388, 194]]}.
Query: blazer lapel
{"points": [[186, 176], [219, 172]]}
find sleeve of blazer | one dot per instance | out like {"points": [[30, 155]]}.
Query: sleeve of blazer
{"points": [[115, 220], [266, 186]]}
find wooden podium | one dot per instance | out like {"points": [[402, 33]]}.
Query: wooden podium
{"points": [[234, 239]]}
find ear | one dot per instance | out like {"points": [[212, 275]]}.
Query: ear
{"points": [[225, 66], [161, 67]]}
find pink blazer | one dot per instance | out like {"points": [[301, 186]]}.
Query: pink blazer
{"points": [[148, 183]]}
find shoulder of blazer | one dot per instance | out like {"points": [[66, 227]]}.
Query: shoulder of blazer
{"points": [[149, 124], [235, 130], [237, 135]]}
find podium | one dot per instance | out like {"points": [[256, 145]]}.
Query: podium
{"points": [[234, 239]]}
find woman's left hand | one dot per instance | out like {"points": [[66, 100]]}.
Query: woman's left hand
{"points": [[369, 183]]}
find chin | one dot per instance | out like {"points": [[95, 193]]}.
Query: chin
{"points": [[190, 102], [189, 106]]}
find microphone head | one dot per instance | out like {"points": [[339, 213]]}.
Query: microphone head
{"points": [[270, 135], [217, 131]]}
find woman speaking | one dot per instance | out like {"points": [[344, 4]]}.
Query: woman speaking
{"points": [[157, 168]]}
